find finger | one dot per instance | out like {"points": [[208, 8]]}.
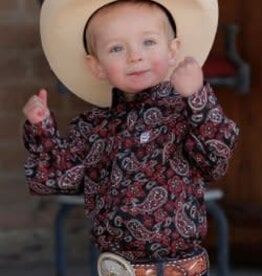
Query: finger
{"points": [[34, 108], [189, 59], [33, 102], [43, 96]]}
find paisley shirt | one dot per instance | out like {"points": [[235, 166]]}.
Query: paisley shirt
{"points": [[142, 166]]}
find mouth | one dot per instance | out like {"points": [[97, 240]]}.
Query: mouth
{"points": [[138, 73]]}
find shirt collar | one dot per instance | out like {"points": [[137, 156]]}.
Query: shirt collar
{"points": [[150, 94]]}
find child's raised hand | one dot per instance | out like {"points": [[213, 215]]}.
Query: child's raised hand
{"points": [[36, 109], [187, 77]]}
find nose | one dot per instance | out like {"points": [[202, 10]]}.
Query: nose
{"points": [[135, 55]]}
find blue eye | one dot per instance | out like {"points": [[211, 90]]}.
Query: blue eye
{"points": [[116, 49], [149, 42]]}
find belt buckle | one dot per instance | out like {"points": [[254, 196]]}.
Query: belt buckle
{"points": [[110, 264]]}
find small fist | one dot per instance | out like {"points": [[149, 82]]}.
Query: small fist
{"points": [[36, 110], [187, 77]]}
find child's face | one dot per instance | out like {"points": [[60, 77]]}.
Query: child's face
{"points": [[135, 50]]}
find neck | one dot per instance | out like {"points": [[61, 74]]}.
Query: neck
{"points": [[129, 96]]}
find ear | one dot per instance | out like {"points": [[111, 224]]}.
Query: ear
{"points": [[95, 67], [174, 46]]}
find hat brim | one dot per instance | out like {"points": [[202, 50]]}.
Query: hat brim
{"points": [[62, 24]]}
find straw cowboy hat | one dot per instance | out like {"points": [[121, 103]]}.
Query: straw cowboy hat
{"points": [[62, 23]]}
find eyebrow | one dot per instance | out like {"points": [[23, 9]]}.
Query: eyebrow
{"points": [[118, 40]]}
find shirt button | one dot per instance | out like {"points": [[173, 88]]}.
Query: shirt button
{"points": [[144, 137]]}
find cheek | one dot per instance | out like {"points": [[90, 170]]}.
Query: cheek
{"points": [[110, 67], [160, 64], [113, 71]]}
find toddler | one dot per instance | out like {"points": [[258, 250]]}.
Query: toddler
{"points": [[144, 154]]}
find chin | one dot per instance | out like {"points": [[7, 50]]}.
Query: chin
{"points": [[137, 89]]}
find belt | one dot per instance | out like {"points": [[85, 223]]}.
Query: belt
{"points": [[110, 264]]}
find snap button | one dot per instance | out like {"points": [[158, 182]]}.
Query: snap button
{"points": [[144, 137]]}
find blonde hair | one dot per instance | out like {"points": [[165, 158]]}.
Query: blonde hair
{"points": [[88, 34]]}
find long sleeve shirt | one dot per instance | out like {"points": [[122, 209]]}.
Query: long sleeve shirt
{"points": [[142, 166]]}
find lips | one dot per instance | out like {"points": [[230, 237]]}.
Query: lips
{"points": [[137, 73]]}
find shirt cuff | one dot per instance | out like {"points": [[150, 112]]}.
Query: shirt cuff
{"points": [[34, 135], [200, 103]]}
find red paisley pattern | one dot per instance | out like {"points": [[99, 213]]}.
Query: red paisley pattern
{"points": [[142, 167]]}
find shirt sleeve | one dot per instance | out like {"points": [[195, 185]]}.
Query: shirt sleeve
{"points": [[212, 136], [54, 164]]}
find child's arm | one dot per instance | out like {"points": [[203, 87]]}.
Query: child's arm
{"points": [[54, 164], [212, 136]]}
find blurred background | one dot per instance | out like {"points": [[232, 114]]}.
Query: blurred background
{"points": [[27, 222]]}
